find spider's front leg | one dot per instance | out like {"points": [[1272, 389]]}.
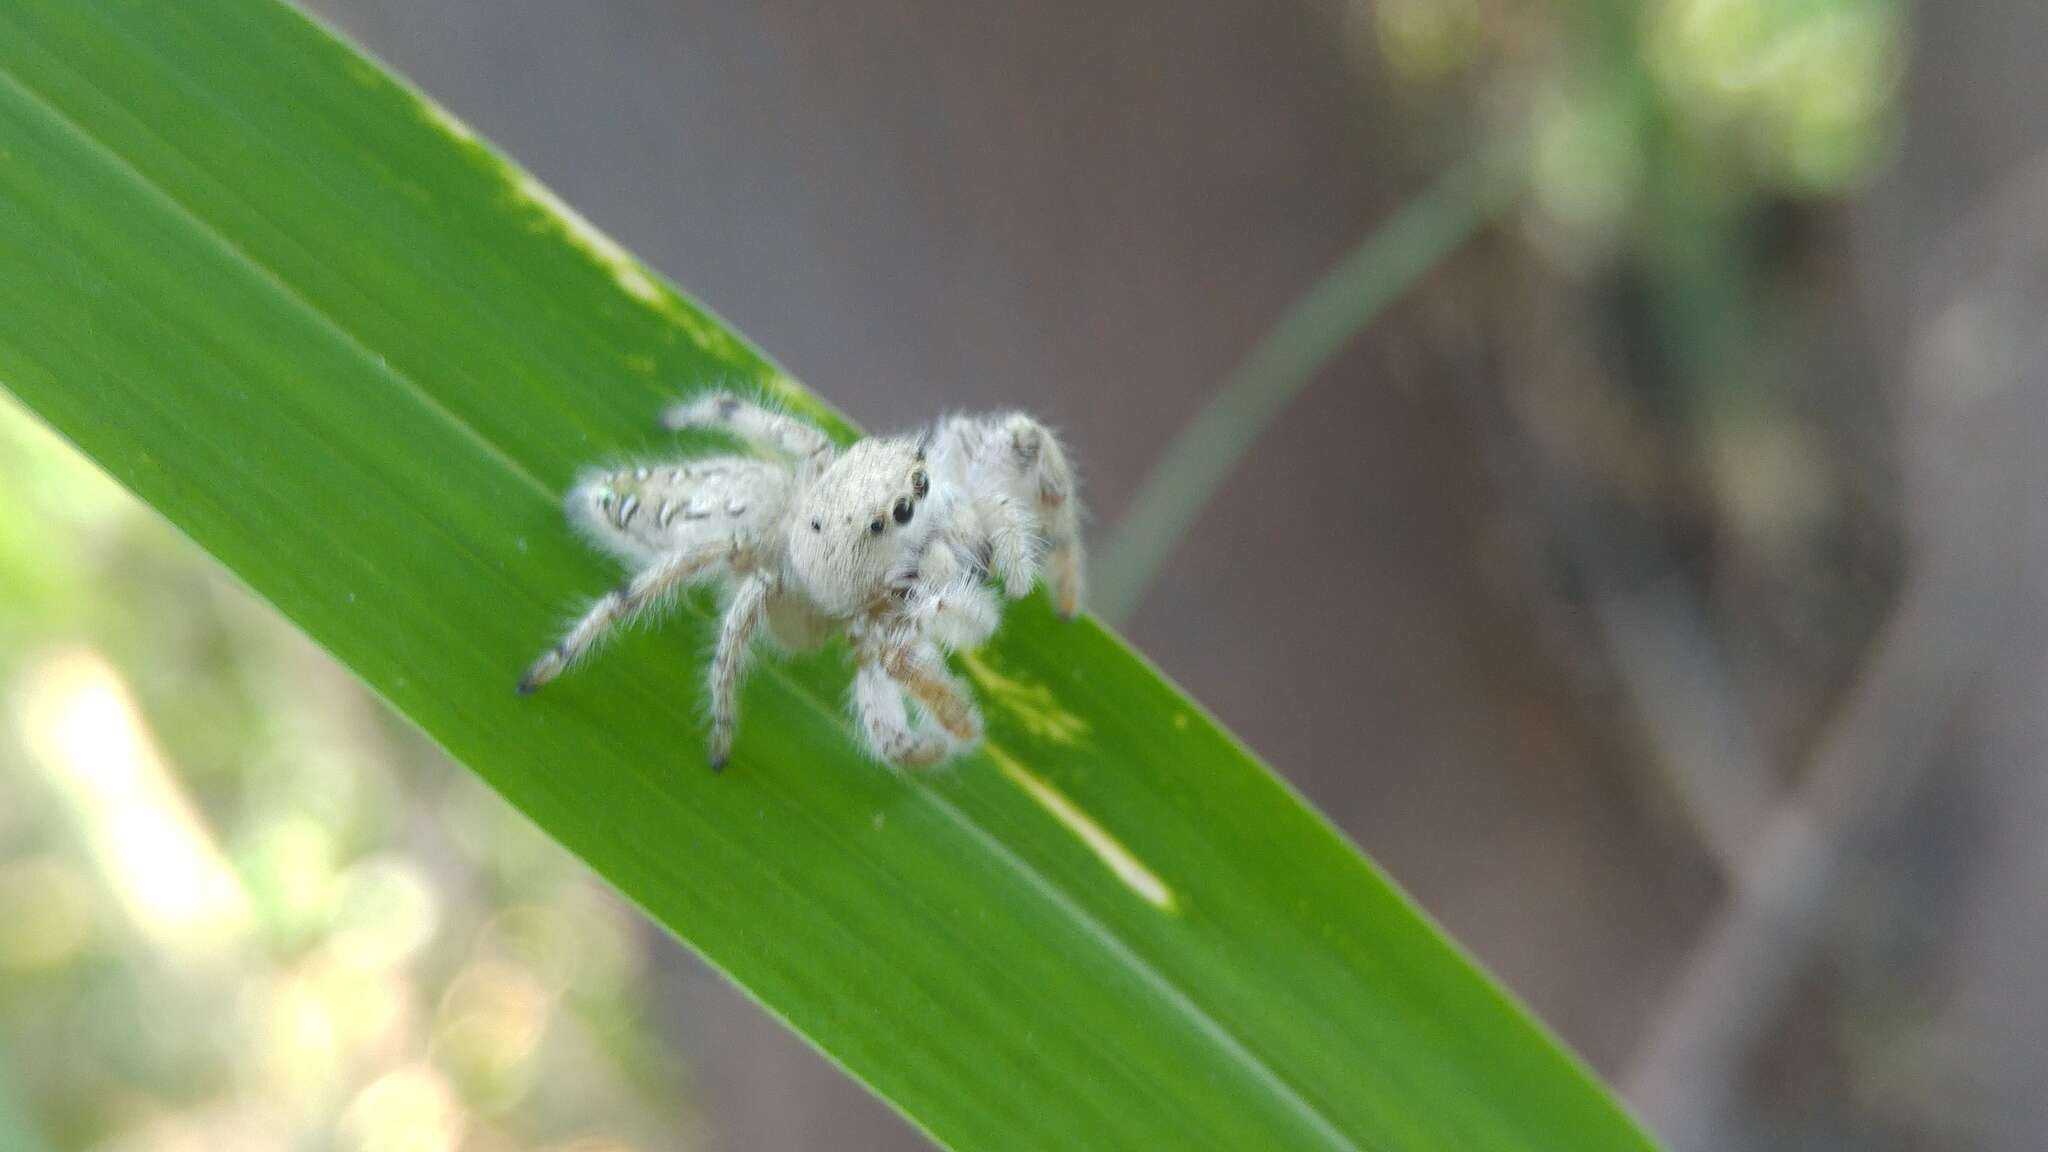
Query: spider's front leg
{"points": [[1038, 473], [1013, 543], [886, 725], [922, 672], [946, 602], [649, 586]]}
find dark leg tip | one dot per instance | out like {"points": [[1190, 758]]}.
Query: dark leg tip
{"points": [[718, 763], [527, 685]]}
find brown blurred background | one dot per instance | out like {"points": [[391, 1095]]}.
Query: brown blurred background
{"points": [[1655, 591]]}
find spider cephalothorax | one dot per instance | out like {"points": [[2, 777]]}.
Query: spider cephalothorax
{"points": [[892, 542]]}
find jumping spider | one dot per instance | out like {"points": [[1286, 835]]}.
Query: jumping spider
{"points": [[891, 541]]}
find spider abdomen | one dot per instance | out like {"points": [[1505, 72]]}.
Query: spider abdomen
{"points": [[645, 510]]}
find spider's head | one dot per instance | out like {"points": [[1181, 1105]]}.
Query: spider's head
{"points": [[859, 523]]}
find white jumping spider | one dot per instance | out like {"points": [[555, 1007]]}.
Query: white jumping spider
{"points": [[890, 541]]}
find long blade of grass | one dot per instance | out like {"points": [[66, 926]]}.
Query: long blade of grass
{"points": [[356, 355]]}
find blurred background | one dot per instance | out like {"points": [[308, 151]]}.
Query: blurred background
{"points": [[1654, 587]]}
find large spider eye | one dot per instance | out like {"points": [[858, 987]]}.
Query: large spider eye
{"points": [[875, 529], [817, 527], [903, 511], [920, 483]]}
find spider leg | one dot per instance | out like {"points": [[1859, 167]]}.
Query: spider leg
{"points": [[1013, 543], [735, 641], [778, 431], [644, 588], [960, 615], [923, 674], [947, 603], [1045, 477], [1027, 492], [886, 725]]}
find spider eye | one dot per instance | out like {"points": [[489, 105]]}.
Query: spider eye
{"points": [[875, 529], [920, 483], [817, 527], [903, 511]]}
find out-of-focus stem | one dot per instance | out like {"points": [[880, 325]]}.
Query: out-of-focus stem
{"points": [[1205, 452], [1975, 489]]}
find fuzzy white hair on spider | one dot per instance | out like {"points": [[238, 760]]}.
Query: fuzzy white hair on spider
{"points": [[893, 541]]}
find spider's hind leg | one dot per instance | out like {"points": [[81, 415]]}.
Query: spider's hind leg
{"points": [[752, 422], [647, 587]]}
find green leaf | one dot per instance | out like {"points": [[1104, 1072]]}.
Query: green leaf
{"points": [[356, 355]]}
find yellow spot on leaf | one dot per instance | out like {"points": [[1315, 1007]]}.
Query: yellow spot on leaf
{"points": [[631, 276], [587, 236], [1114, 855], [788, 390], [447, 122], [1032, 704]]}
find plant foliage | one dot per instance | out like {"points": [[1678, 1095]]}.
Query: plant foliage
{"points": [[357, 355]]}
